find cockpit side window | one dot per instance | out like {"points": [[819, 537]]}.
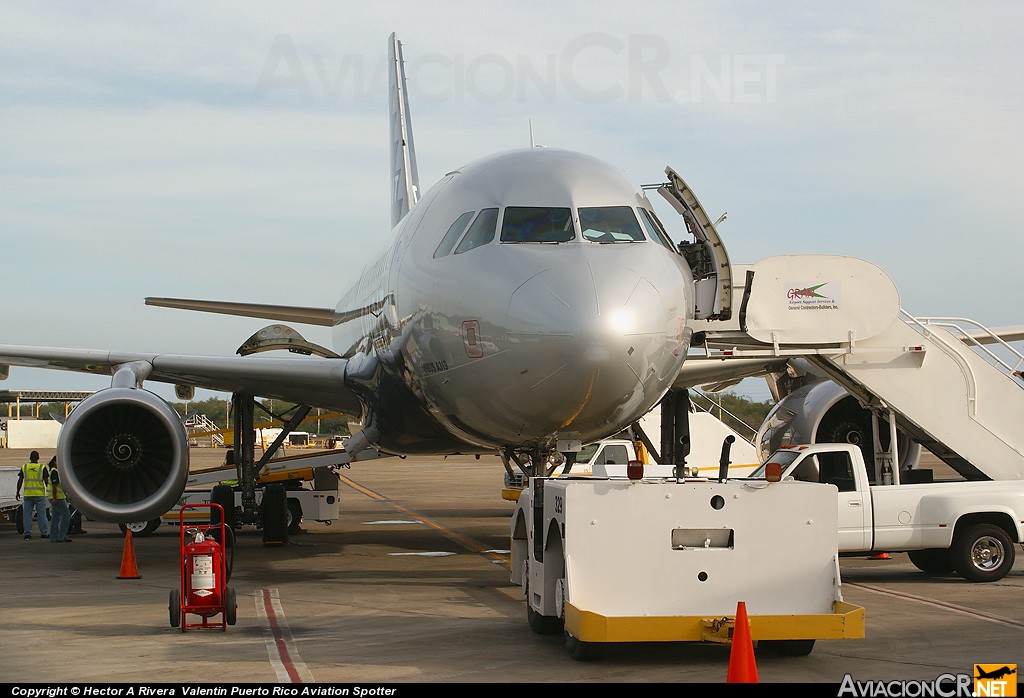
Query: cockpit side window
{"points": [[655, 229], [450, 238], [610, 224], [537, 224], [481, 232]]}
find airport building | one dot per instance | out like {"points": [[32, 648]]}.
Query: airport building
{"points": [[24, 425]]}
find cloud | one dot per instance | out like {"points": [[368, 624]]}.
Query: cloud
{"points": [[144, 156]]}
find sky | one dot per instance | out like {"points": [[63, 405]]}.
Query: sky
{"points": [[239, 151]]}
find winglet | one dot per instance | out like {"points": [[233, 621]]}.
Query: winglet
{"points": [[405, 182]]}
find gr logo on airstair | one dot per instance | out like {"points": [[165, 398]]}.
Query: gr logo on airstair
{"points": [[808, 292]]}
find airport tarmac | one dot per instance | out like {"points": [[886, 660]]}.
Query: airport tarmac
{"points": [[411, 585]]}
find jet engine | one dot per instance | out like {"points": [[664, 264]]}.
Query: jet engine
{"points": [[123, 455], [824, 412]]}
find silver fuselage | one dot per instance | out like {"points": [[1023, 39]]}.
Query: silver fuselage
{"points": [[515, 344]]}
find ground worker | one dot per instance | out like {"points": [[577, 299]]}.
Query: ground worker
{"points": [[33, 478], [61, 515]]}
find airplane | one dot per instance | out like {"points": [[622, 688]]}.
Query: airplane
{"points": [[527, 303], [996, 674]]}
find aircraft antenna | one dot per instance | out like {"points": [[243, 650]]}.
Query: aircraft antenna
{"points": [[532, 143]]}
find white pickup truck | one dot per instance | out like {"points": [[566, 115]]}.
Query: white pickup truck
{"points": [[619, 452], [967, 527]]}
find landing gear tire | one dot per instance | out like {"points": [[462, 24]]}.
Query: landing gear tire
{"points": [[788, 648], [932, 561], [225, 496], [230, 606], [174, 608], [294, 516], [275, 515], [140, 528], [982, 553]]}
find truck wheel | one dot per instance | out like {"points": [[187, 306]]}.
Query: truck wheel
{"points": [[932, 561], [582, 651], [982, 553], [225, 496], [294, 515], [788, 648], [230, 606], [174, 608], [275, 515]]}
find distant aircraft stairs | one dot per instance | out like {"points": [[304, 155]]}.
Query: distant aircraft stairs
{"points": [[200, 428]]}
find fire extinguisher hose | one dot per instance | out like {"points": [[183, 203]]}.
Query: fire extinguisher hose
{"points": [[229, 554]]}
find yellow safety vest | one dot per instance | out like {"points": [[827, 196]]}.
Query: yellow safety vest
{"points": [[33, 485], [56, 490]]}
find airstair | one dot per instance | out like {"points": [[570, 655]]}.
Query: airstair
{"points": [[951, 384]]}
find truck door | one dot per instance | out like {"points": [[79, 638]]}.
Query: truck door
{"points": [[836, 468]]}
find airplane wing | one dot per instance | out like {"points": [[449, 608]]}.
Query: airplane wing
{"points": [[715, 374], [1004, 334], [309, 380]]}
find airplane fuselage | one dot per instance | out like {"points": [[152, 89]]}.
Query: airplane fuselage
{"points": [[526, 297]]}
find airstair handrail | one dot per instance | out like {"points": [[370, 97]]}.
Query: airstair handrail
{"points": [[953, 352], [721, 409], [956, 326]]}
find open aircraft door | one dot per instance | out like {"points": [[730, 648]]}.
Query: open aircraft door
{"points": [[707, 257]]}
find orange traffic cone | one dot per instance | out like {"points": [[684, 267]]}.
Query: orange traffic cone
{"points": [[742, 668], [881, 556], [128, 568]]}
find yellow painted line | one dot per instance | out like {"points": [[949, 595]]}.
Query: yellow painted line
{"points": [[466, 542]]}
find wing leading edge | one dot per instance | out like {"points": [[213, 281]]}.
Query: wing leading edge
{"points": [[309, 381]]}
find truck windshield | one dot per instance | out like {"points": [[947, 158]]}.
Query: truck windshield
{"points": [[783, 458], [587, 452]]}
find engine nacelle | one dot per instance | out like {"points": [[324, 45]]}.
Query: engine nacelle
{"points": [[824, 412], [123, 456]]}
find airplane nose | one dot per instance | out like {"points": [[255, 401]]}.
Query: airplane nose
{"points": [[599, 340]]}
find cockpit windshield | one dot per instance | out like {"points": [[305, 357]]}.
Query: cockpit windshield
{"points": [[536, 224], [655, 229], [610, 224]]}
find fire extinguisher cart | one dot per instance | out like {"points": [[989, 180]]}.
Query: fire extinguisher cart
{"points": [[203, 590]]}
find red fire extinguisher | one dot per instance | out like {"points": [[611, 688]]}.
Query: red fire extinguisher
{"points": [[204, 587]]}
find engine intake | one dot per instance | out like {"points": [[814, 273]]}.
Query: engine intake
{"points": [[123, 456], [824, 412]]}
